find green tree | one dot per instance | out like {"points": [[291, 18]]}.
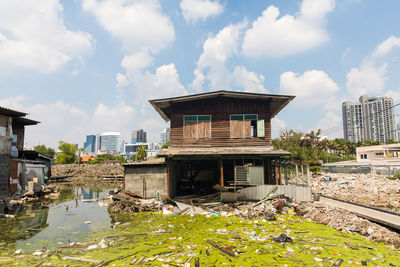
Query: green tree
{"points": [[67, 154], [165, 146], [47, 151], [104, 157], [141, 153]]}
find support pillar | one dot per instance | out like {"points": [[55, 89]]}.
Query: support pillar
{"points": [[297, 174], [308, 176], [221, 168]]}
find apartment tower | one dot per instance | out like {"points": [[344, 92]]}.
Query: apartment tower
{"points": [[370, 119]]}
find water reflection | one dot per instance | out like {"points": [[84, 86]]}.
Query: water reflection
{"points": [[76, 213]]}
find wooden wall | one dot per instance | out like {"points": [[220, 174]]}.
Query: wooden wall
{"points": [[219, 108], [19, 130]]}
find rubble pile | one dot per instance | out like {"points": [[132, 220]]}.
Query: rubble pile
{"points": [[126, 202], [339, 219], [369, 189], [342, 220], [345, 221], [88, 172]]}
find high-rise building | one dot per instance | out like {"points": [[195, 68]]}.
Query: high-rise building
{"points": [[164, 136], [139, 136], [110, 142], [90, 145], [370, 119]]}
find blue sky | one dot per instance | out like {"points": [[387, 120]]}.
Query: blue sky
{"points": [[89, 66]]}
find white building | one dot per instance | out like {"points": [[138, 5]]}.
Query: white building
{"points": [[370, 119], [110, 142], [164, 136]]}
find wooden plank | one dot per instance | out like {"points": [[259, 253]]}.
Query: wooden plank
{"points": [[220, 133]]}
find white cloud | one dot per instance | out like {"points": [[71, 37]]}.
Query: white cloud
{"points": [[366, 79], [33, 36], [216, 51], [271, 36], [56, 117], [312, 88], [329, 120], [395, 95], [277, 127], [139, 25], [386, 46], [194, 10], [247, 80], [165, 82]]}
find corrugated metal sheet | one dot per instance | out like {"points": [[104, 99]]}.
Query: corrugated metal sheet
{"points": [[256, 175]]}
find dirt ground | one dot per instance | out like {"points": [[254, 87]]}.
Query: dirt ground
{"points": [[369, 189]]}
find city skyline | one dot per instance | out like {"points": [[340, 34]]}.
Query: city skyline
{"points": [[72, 66]]}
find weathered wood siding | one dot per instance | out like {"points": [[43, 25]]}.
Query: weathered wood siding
{"points": [[219, 108]]}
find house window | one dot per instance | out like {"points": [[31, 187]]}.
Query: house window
{"points": [[196, 126], [363, 156], [243, 125]]}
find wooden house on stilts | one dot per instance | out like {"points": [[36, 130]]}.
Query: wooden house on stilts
{"points": [[221, 137]]}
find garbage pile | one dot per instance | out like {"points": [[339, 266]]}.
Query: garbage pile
{"points": [[125, 201], [345, 221], [87, 172], [33, 193], [370, 189]]}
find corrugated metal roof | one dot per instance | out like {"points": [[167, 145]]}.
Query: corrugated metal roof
{"points": [[162, 105], [26, 121], [11, 112], [159, 161], [215, 151]]}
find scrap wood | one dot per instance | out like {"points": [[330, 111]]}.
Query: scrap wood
{"points": [[220, 248], [81, 259], [184, 211], [265, 198], [119, 258], [140, 260], [337, 263], [351, 246]]}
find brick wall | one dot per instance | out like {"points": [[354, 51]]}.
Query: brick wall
{"points": [[4, 173]]}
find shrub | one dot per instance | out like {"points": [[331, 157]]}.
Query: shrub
{"points": [[315, 169]]}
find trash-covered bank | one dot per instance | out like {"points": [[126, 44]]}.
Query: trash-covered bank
{"points": [[213, 239]]}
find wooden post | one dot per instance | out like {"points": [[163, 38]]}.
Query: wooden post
{"points": [[308, 176], [286, 175], [279, 172], [234, 182], [276, 175], [297, 174], [168, 178], [221, 169]]}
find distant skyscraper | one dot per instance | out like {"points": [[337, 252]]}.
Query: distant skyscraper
{"points": [[90, 145], [139, 136], [370, 119], [110, 142], [164, 136], [98, 142]]}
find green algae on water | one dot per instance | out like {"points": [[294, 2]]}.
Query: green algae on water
{"points": [[163, 240]]}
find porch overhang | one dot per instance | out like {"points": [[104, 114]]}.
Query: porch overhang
{"points": [[222, 152]]}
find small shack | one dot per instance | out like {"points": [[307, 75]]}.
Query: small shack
{"points": [[217, 138], [19, 168]]}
